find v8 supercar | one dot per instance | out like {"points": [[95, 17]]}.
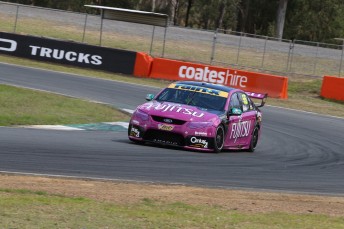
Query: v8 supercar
{"points": [[200, 116]]}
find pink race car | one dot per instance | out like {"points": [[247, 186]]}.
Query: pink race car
{"points": [[201, 116]]}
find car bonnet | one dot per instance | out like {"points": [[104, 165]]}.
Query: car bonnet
{"points": [[177, 111]]}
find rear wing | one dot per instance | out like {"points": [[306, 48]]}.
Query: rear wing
{"points": [[258, 96]]}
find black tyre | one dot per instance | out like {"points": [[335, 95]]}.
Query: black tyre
{"points": [[254, 140], [219, 139]]}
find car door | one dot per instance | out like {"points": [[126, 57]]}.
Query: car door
{"points": [[248, 119], [234, 122]]}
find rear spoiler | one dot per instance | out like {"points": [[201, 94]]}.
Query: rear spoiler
{"points": [[260, 96]]}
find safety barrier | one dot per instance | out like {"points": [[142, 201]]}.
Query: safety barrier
{"points": [[332, 88], [143, 64], [66, 52], [275, 86], [138, 64]]}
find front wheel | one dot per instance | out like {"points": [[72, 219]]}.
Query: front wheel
{"points": [[254, 140], [219, 139]]}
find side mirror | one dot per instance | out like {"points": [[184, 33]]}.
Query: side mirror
{"points": [[150, 97], [234, 111]]}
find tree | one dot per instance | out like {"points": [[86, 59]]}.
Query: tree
{"points": [[221, 13], [188, 12], [257, 16], [281, 12], [174, 9], [316, 20]]}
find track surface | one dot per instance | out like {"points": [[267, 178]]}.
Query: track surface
{"points": [[298, 151]]}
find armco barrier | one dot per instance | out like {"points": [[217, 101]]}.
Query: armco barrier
{"points": [[275, 86], [64, 52], [332, 88]]}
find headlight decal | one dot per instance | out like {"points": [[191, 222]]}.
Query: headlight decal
{"points": [[141, 115], [199, 125]]}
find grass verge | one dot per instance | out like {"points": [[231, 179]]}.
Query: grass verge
{"points": [[32, 209], [27, 107]]}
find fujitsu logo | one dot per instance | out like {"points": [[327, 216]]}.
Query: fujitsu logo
{"points": [[240, 130], [67, 55], [172, 108]]}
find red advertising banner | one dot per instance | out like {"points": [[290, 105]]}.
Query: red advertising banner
{"points": [[275, 86]]}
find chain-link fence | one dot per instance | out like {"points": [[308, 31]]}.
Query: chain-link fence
{"points": [[220, 47]]}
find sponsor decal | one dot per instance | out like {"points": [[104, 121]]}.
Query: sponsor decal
{"points": [[212, 76], [134, 132], [199, 89], [164, 142], [169, 108], [198, 133], [240, 130], [65, 55], [165, 127], [198, 142], [255, 95], [8, 45]]}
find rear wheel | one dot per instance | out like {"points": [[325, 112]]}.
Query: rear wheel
{"points": [[219, 139], [254, 140]]}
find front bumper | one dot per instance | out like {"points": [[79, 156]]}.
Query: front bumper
{"points": [[189, 139]]}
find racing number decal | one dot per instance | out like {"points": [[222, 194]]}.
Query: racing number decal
{"points": [[134, 132], [244, 99]]}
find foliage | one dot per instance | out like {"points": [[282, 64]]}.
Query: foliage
{"points": [[313, 20], [316, 20]]}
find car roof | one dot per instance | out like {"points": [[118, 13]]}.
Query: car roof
{"points": [[208, 85]]}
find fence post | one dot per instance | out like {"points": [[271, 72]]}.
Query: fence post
{"points": [[341, 59], [15, 22], [163, 46], [83, 35], [213, 47], [266, 40], [101, 27], [290, 55], [316, 59], [239, 47], [151, 46]]}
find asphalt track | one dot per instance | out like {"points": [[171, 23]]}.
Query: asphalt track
{"points": [[298, 151]]}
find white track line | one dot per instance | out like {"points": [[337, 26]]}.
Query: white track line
{"points": [[50, 127]]}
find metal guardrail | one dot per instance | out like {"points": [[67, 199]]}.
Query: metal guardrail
{"points": [[220, 47]]}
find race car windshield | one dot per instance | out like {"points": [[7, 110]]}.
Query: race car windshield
{"points": [[193, 98]]}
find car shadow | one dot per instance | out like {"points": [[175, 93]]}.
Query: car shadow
{"points": [[177, 148]]}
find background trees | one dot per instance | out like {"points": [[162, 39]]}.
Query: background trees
{"points": [[313, 20]]}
